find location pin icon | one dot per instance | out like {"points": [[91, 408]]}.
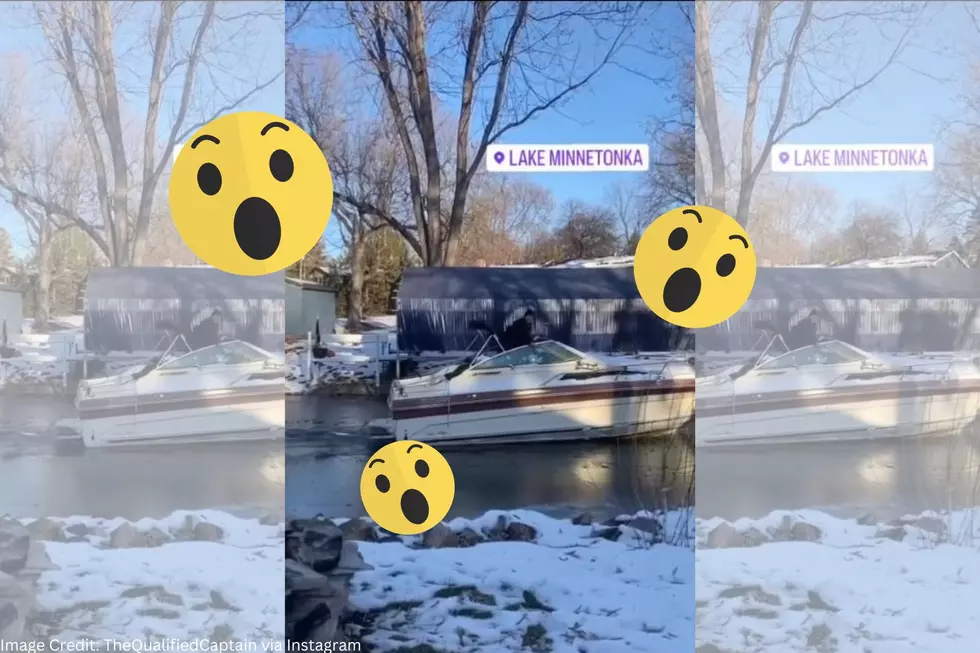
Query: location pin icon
{"points": [[499, 157], [783, 157]]}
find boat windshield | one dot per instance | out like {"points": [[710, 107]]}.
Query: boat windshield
{"points": [[833, 352], [227, 353], [541, 353]]}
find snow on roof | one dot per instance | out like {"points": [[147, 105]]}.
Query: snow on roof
{"points": [[605, 262], [917, 261]]}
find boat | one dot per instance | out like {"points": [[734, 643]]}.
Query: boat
{"points": [[542, 392], [230, 391], [832, 391]]}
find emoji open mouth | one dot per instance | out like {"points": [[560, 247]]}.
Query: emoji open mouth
{"points": [[257, 228], [682, 290], [415, 507]]}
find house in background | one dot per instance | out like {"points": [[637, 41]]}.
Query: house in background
{"points": [[140, 309], [9, 276], [11, 309], [307, 301]]}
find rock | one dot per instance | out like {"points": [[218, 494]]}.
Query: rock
{"points": [[791, 530], [314, 543], [350, 561], [896, 533], [726, 536], [468, 537], [497, 532], [926, 523], [38, 561], [439, 536], [583, 519], [156, 537], [46, 528], [314, 605], [520, 532], [867, 519], [208, 532], [15, 543], [128, 536], [611, 533], [271, 519], [649, 525], [16, 601], [78, 530], [359, 529]]}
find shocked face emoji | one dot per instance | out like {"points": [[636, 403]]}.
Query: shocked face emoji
{"points": [[250, 193], [407, 487], [694, 267]]}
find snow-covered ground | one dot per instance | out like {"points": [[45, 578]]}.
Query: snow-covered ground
{"points": [[569, 590], [809, 581], [192, 575]]}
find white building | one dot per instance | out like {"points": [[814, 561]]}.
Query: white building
{"points": [[11, 310], [307, 301]]}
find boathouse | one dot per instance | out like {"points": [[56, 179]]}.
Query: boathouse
{"points": [[137, 309], [592, 309], [881, 309]]}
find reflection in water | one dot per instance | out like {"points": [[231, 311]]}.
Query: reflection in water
{"points": [[148, 482], [326, 452], [886, 477]]}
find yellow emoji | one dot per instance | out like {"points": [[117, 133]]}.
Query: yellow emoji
{"points": [[250, 193], [407, 487], [694, 267]]}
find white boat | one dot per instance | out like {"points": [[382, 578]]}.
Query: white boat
{"points": [[545, 391], [227, 392], [834, 391]]}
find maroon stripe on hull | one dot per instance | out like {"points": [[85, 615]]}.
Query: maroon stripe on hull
{"points": [[410, 409], [183, 401], [749, 404]]}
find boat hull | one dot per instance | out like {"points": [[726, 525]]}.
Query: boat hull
{"points": [[653, 415], [831, 416], [249, 420]]}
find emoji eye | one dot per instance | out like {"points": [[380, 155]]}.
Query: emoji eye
{"points": [[421, 468], [725, 265], [209, 179], [281, 165], [382, 483], [677, 238]]}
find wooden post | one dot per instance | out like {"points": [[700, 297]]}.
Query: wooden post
{"points": [[309, 356]]}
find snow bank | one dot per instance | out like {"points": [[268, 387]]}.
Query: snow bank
{"points": [[810, 581], [186, 581], [569, 590]]}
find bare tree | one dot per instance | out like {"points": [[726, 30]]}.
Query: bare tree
{"points": [[632, 210], [803, 50], [364, 163], [186, 48], [523, 53]]}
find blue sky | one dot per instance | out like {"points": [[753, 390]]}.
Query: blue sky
{"points": [[259, 54], [907, 104], [616, 108]]}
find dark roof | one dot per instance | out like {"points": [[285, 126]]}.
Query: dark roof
{"points": [[516, 283], [618, 283], [867, 283], [180, 283]]}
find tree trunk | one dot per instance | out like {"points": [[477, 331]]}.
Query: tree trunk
{"points": [[42, 289], [355, 290]]}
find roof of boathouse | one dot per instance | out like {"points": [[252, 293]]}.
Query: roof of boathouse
{"points": [[188, 283], [506, 283]]}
